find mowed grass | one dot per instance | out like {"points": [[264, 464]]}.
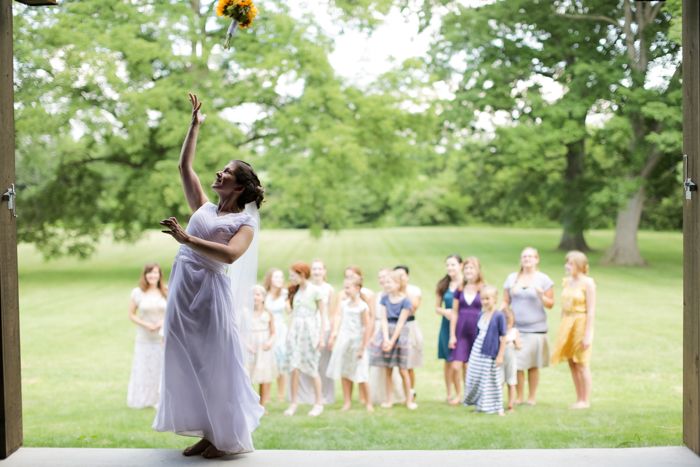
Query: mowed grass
{"points": [[77, 346]]}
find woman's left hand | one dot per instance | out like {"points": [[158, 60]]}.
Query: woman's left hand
{"points": [[175, 230], [586, 342]]}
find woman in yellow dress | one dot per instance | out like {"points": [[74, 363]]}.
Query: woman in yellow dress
{"points": [[575, 335]]}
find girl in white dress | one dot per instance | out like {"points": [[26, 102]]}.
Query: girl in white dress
{"points": [[304, 341], [276, 304], [147, 310], [350, 359], [306, 392], [262, 366], [205, 388]]}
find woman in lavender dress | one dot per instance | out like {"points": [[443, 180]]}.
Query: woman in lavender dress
{"points": [[466, 307], [206, 391]]}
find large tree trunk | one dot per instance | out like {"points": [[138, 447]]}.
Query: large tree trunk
{"points": [[573, 218], [625, 251]]}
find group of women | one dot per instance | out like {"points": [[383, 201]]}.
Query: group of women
{"points": [[214, 345], [307, 337], [315, 337], [527, 294]]}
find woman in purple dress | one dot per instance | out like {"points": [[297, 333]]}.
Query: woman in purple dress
{"points": [[466, 307]]}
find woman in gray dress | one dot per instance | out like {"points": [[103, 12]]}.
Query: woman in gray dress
{"points": [[528, 293]]}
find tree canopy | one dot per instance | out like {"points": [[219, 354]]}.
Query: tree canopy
{"points": [[524, 112]]}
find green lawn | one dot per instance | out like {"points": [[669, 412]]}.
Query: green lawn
{"points": [[77, 346]]}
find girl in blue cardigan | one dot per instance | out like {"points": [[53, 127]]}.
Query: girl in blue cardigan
{"points": [[484, 385]]}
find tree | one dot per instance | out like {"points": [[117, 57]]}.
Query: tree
{"points": [[599, 52], [102, 110]]}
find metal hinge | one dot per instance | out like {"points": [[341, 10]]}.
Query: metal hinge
{"points": [[689, 185], [10, 196]]}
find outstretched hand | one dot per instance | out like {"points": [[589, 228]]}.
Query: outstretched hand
{"points": [[175, 230], [197, 116]]}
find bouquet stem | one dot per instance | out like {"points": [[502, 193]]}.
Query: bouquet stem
{"points": [[230, 33]]}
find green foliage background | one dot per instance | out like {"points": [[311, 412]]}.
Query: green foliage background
{"points": [[101, 111]]}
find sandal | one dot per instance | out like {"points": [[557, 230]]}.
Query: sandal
{"points": [[197, 448]]}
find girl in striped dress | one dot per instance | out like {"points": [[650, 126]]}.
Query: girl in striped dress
{"points": [[484, 385]]}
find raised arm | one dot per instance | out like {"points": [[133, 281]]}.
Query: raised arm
{"points": [[190, 182]]}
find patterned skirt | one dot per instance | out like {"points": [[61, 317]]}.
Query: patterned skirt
{"points": [[484, 385], [398, 355], [302, 345]]}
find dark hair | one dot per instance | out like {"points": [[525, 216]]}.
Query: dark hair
{"points": [[248, 179], [444, 283], [405, 268]]}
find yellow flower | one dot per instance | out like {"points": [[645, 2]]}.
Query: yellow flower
{"points": [[221, 7]]}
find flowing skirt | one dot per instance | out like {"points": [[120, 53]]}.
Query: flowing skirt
{"points": [[205, 390], [144, 384], [344, 362]]}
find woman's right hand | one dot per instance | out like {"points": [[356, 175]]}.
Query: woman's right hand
{"points": [[452, 343], [197, 116], [387, 345]]}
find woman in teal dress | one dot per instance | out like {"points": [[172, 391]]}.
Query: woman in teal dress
{"points": [[444, 294]]}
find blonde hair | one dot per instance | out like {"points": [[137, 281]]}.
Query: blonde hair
{"points": [[537, 255], [579, 259], [267, 282], [474, 261], [398, 277], [489, 290], [261, 289], [325, 269], [510, 317]]}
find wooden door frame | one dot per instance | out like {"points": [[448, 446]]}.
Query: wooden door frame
{"points": [[10, 377], [691, 227]]}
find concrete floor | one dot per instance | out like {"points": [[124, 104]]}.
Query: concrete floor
{"points": [[632, 457]]}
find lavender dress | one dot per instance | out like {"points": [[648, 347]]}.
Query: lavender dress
{"points": [[206, 391], [467, 329]]}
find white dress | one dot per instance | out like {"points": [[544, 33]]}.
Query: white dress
{"points": [[206, 391], [278, 308], [144, 383], [305, 394], [262, 366], [344, 362]]}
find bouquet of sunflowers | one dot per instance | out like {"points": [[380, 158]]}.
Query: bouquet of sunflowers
{"points": [[241, 12]]}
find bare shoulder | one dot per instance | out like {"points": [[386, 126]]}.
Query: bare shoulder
{"points": [[590, 282]]}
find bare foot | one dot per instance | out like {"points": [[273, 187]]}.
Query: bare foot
{"points": [[501, 414], [579, 405], [212, 453], [510, 408], [197, 448], [531, 402], [455, 401], [370, 408], [345, 407], [386, 405]]}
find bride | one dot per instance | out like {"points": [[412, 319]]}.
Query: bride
{"points": [[205, 391]]}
